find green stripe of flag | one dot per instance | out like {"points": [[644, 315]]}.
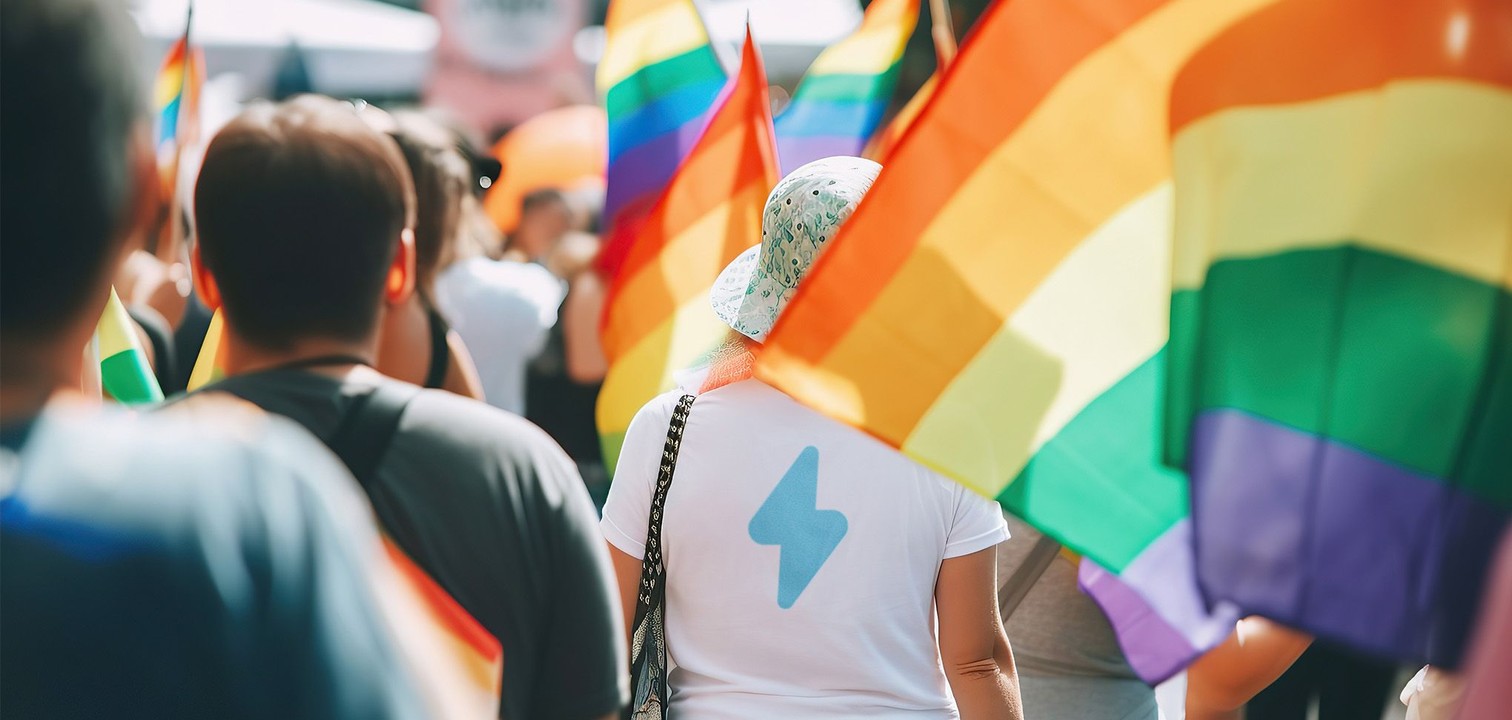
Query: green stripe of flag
{"points": [[1099, 482], [657, 80], [128, 379], [1377, 352], [858, 87]]}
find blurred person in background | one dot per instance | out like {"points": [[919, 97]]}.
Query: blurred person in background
{"points": [[221, 565], [504, 309], [1068, 658], [417, 345], [884, 604], [563, 382], [305, 216]]}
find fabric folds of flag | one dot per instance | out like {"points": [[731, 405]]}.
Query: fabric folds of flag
{"points": [[997, 307], [124, 370], [1341, 369], [660, 321], [841, 100], [659, 77]]}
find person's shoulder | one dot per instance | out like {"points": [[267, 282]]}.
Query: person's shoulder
{"points": [[162, 474], [658, 411], [465, 424]]}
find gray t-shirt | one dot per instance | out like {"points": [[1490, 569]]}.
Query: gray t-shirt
{"points": [[1069, 664], [495, 513]]}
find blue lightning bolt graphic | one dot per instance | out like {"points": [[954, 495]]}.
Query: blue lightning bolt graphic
{"points": [[790, 520]]}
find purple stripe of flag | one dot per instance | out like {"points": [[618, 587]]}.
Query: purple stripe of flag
{"points": [[794, 152], [1155, 608], [1318, 535]]}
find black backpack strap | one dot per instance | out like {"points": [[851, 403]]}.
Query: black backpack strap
{"points": [[364, 435]]}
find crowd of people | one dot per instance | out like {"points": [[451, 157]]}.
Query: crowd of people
{"points": [[396, 372]]}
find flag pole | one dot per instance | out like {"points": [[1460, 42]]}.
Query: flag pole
{"points": [[171, 251], [943, 32]]}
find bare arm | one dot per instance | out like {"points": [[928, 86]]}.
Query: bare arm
{"points": [[461, 375], [627, 570], [973, 646], [580, 332], [1252, 657]]}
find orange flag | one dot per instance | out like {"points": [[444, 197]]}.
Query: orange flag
{"points": [[658, 319]]}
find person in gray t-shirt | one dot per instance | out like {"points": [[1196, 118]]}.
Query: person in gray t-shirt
{"points": [[1069, 662]]}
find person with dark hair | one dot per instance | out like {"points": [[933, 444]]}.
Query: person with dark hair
{"points": [[481, 500], [418, 346], [140, 575]]}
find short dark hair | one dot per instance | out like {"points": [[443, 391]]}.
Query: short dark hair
{"points": [[299, 208], [442, 176], [69, 106]]}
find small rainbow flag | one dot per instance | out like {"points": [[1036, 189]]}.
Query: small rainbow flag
{"points": [[997, 307], [841, 100], [660, 321], [659, 77], [124, 370], [176, 99], [1341, 324]]}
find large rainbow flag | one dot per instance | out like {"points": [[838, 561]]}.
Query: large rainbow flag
{"points": [[1341, 356], [660, 321], [840, 102], [998, 305], [659, 77], [124, 370]]}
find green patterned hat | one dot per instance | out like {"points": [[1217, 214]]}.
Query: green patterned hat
{"points": [[801, 216]]}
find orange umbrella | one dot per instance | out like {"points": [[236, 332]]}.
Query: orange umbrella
{"points": [[563, 148]]}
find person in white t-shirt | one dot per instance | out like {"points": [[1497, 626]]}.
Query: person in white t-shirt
{"points": [[504, 309], [811, 571]]}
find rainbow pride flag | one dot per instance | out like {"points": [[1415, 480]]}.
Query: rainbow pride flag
{"points": [[1341, 324], [660, 321], [841, 100], [659, 77], [998, 306], [176, 101], [124, 370]]}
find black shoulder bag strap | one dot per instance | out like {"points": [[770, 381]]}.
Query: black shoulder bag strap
{"points": [[365, 433], [648, 643]]}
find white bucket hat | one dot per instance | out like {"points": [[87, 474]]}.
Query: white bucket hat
{"points": [[801, 215]]}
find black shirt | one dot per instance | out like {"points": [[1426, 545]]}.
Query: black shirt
{"points": [[494, 511]]}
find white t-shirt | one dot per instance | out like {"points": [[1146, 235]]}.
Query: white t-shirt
{"points": [[504, 311], [801, 559]]}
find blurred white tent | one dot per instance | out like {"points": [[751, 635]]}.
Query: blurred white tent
{"points": [[348, 48], [791, 33]]}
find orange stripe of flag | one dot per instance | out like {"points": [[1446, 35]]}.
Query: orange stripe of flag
{"points": [[1042, 43], [1343, 46], [487, 661], [732, 166]]}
